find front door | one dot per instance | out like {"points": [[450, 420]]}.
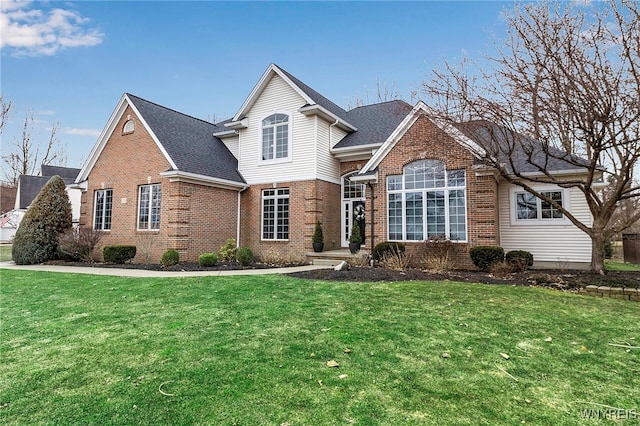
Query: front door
{"points": [[353, 209]]}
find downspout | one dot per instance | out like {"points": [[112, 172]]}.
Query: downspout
{"points": [[372, 237], [330, 126], [238, 221]]}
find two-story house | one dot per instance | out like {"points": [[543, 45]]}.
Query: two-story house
{"points": [[160, 179]]}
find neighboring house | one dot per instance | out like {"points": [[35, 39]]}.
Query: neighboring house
{"points": [[28, 189], [160, 179], [7, 198], [29, 186]]}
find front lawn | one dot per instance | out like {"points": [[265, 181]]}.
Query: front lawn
{"points": [[5, 252], [84, 349], [621, 266]]}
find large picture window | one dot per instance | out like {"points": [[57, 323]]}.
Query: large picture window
{"points": [[102, 209], [276, 137], [149, 200], [275, 214], [427, 201]]}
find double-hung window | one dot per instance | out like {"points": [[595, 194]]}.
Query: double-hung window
{"points": [[149, 200], [427, 201], [275, 214], [276, 138], [102, 209], [529, 208]]}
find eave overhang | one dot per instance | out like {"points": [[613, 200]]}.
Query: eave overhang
{"points": [[315, 109], [179, 176]]}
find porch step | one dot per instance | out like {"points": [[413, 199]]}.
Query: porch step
{"points": [[331, 257]]}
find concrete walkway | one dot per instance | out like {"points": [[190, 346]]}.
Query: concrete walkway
{"points": [[142, 273]]}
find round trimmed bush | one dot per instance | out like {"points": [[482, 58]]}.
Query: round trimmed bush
{"points": [[386, 248], [520, 260], [170, 258], [118, 254], [207, 260], [484, 256], [244, 256]]}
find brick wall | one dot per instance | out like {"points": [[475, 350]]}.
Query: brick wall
{"points": [[424, 140], [308, 201], [194, 219]]}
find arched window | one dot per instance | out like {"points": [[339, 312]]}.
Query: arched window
{"points": [[427, 201], [129, 127], [276, 137]]}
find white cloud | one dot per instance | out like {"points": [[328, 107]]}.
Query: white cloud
{"points": [[82, 132], [35, 32]]}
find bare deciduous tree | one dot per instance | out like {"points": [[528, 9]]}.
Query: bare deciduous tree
{"points": [[566, 79], [25, 156]]}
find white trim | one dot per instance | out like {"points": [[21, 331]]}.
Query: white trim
{"points": [[373, 178], [238, 124], [344, 242], [447, 189], [116, 115], [302, 178], [405, 125], [178, 176], [95, 207], [275, 197], [225, 134], [352, 153], [315, 109], [150, 185], [272, 70], [275, 160], [539, 221]]}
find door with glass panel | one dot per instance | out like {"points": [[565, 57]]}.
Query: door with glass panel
{"points": [[353, 208]]}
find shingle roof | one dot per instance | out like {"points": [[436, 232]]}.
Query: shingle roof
{"points": [[316, 97], [526, 154], [375, 123], [30, 186], [189, 141], [63, 172]]}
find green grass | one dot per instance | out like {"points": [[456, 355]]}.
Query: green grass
{"points": [[5, 252], [82, 349], [621, 266]]}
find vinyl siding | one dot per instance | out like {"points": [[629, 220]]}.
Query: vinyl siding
{"points": [[278, 96], [328, 167], [547, 242], [232, 144]]}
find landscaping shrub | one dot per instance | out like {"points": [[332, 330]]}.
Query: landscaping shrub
{"points": [[520, 260], [384, 248], [484, 256], [437, 254], [396, 261], [36, 239], [244, 256], [228, 250], [207, 259], [500, 268], [118, 253], [318, 236], [79, 243], [170, 258]]}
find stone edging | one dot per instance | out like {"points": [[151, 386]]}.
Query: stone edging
{"points": [[623, 293]]}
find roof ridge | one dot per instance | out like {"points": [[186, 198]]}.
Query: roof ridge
{"points": [[380, 103], [171, 109]]}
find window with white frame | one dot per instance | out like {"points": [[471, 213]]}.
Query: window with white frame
{"points": [[102, 209], [427, 201], [276, 137], [149, 200], [275, 214], [530, 208]]}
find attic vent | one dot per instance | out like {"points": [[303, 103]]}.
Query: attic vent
{"points": [[128, 127]]}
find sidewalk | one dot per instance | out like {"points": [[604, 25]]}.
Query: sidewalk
{"points": [[142, 273]]}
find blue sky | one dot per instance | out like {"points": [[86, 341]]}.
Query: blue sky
{"points": [[70, 62]]}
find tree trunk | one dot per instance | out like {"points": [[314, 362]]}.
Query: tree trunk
{"points": [[597, 252]]}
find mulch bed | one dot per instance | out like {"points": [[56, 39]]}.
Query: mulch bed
{"points": [[559, 279]]}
